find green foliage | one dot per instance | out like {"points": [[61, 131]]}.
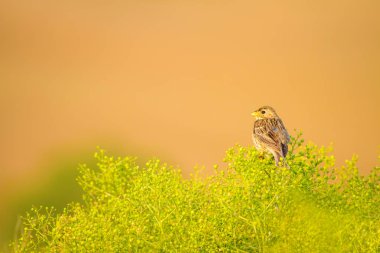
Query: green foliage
{"points": [[251, 206]]}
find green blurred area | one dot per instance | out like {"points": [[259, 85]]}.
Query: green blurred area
{"points": [[57, 188], [53, 185]]}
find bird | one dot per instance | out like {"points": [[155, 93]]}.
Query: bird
{"points": [[269, 133]]}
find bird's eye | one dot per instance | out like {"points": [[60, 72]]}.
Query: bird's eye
{"points": [[262, 112]]}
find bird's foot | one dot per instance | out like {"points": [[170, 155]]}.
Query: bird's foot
{"points": [[261, 155]]}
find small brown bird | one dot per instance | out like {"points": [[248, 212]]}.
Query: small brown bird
{"points": [[269, 133]]}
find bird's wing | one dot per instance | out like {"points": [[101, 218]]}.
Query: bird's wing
{"points": [[282, 133], [273, 134]]}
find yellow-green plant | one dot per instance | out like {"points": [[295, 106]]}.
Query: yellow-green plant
{"points": [[251, 206]]}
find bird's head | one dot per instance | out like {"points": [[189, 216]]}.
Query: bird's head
{"points": [[265, 112]]}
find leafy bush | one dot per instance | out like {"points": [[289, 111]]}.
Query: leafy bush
{"points": [[251, 206]]}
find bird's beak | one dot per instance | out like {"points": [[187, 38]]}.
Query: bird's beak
{"points": [[255, 114]]}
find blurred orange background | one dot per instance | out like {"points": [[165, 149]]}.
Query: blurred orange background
{"points": [[175, 80]]}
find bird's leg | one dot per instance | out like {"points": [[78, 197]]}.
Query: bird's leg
{"points": [[276, 158], [261, 154]]}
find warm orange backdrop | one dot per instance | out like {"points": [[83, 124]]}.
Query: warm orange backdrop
{"points": [[178, 79]]}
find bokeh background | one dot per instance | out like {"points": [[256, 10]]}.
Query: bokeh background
{"points": [[175, 80]]}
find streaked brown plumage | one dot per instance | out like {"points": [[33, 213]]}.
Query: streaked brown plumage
{"points": [[269, 133]]}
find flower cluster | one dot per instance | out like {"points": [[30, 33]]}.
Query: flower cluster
{"points": [[249, 205]]}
